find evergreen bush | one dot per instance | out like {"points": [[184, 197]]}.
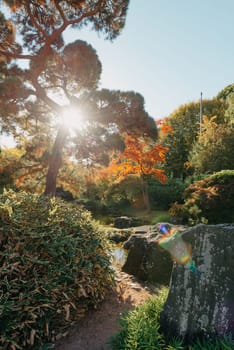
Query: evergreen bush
{"points": [[53, 266], [162, 196], [209, 200]]}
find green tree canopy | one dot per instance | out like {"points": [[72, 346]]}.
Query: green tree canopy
{"points": [[224, 93], [214, 149], [185, 124], [227, 95]]}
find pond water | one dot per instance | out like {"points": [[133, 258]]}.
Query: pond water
{"points": [[119, 256]]}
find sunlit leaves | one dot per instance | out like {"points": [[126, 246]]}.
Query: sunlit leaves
{"points": [[166, 129], [227, 95], [139, 158], [9, 162], [213, 150], [209, 200], [185, 124]]}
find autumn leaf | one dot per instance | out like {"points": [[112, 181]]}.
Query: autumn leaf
{"points": [[166, 129], [139, 158]]}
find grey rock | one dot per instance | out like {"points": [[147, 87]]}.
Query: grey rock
{"points": [[123, 222], [201, 301], [119, 235], [146, 260]]}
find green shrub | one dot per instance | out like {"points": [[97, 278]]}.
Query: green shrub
{"points": [[140, 329], [178, 214], [162, 196], [209, 200], [53, 266]]}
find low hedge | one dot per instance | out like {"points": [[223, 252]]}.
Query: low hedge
{"points": [[53, 267]]}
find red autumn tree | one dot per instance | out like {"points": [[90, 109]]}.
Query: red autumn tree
{"points": [[139, 158]]}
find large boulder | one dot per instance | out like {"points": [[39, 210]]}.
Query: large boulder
{"points": [[146, 260], [123, 222], [201, 301]]}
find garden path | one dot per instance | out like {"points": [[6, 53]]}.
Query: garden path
{"points": [[94, 331]]}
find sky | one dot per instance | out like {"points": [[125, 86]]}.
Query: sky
{"points": [[169, 51]]}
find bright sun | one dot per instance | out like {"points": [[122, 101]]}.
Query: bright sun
{"points": [[72, 118]]}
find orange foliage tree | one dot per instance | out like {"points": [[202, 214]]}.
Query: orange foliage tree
{"points": [[139, 158]]}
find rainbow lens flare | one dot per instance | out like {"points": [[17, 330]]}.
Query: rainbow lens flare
{"points": [[180, 251]]}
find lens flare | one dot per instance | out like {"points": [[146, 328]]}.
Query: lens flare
{"points": [[181, 252]]}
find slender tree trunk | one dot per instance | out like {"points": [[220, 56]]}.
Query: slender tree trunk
{"points": [[55, 161], [145, 193]]}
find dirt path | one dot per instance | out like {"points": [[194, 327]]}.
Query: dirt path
{"points": [[95, 329]]}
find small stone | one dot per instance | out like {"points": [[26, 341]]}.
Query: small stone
{"points": [[135, 286]]}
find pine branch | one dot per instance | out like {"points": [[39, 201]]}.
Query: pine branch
{"points": [[61, 12], [40, 93], [34, 22]]}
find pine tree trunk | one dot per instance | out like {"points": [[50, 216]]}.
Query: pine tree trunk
{"points": [[55, 162]]}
